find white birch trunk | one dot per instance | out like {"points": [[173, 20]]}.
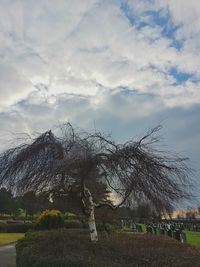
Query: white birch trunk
{"points": [[91, 219], [92, 226]]}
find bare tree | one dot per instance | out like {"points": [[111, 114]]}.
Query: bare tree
{"points": [[76, 160]]}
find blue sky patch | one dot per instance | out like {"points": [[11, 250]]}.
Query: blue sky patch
{"points": [[181, 77], [168, 28], [133, 19], [153, 18]]}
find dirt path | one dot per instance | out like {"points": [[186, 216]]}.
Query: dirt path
{"points": [[7, 256]]}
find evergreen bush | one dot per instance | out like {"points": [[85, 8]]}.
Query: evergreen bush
{"points": [[50, 219]]}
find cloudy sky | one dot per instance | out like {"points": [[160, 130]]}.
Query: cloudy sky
{"points": [[120, 66]]}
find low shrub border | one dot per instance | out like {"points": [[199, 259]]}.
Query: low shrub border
{"points": [[72, 248], [27, 249], [73, 224], [16, 227]]}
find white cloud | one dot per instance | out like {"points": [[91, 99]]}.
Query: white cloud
{"points": [[53, 50], [186, 15], [13, 85], [77, 46], [39, 113]]}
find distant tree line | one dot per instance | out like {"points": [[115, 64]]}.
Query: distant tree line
{"points": [[31, 203]]}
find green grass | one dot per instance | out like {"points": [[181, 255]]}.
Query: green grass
{"points": [[7, 238], [193, 238], [143, 227]]}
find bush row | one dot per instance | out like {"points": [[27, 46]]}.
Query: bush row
{"points": [[29, 226], [24, 227], [54, 219], [73, 248], [108, 227], [16, 227]]}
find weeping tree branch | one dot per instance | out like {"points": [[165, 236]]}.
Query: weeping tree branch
{"points": [[134, 170]]}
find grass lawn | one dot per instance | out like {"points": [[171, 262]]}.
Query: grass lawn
{"points": [[7, 238], [193, 238]]}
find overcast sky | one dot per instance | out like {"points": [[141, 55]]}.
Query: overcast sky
{"points": [[120, 66]]}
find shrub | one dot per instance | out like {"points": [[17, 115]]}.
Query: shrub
{"points": [[100, 226], [2, 227], [20, 213], [50, 219], [4, 216], [84, 222], [14, 221], [73, 224], [69, 215], [108, 226], [73, 248], [46, 249], [20, 227], [16, 227]]}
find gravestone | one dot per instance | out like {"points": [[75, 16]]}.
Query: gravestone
{"points": [[177, 234], [183, 237], [169, 232], [155, 229]]}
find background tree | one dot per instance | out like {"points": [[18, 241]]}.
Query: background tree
{"points": [[66, 202], [29, 203], [33, 203], [6, 201], [78, 161], [191, 214], [43, 201]]}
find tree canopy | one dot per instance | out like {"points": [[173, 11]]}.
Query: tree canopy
{"points": [[93, 163]]}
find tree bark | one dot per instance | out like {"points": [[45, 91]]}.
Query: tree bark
{"points": [[92, 226], [89, 206]]}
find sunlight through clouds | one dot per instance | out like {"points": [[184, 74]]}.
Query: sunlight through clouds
{"points": [[74, 47]]}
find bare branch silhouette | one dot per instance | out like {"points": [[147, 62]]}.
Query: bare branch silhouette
{"points": [[134, 170]]}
